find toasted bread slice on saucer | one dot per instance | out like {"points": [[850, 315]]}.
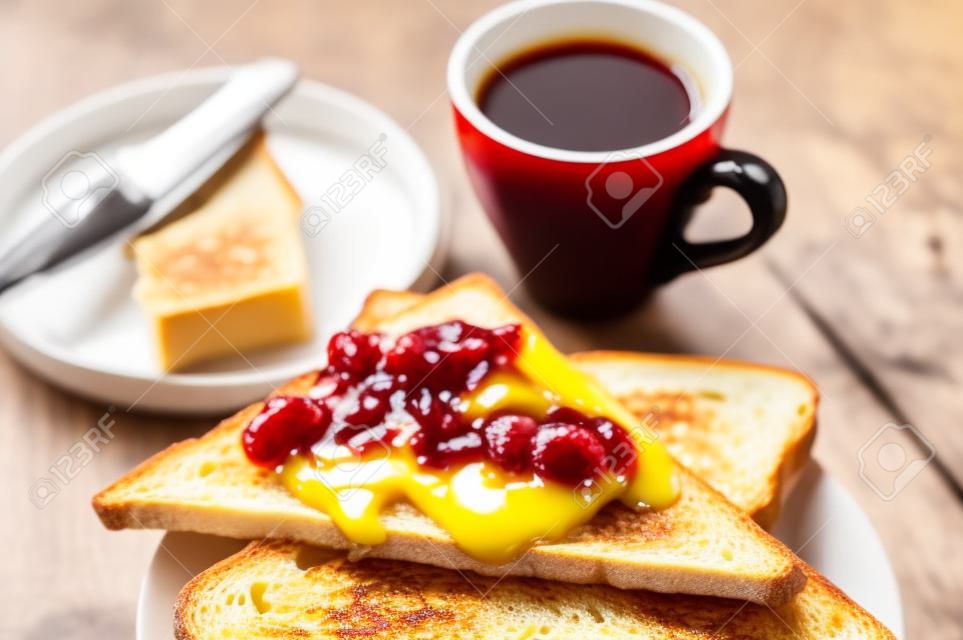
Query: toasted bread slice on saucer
{"points": [[230, 275], [281, 589]]}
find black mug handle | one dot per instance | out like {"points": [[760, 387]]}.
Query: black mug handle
{"points": [[748, 175]]}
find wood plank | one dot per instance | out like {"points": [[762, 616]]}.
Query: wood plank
{"points": [[874, 134]]}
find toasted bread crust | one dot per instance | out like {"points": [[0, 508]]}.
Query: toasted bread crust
{"points": [[382, 304], [328, 596]]}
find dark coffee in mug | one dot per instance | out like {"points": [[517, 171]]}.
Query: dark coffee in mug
{"points": [[588, 95], [590, 149]]}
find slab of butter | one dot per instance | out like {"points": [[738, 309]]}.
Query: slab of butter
{"points": [[228, 276]]}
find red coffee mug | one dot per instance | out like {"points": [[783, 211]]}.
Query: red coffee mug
{"points": [[593, 232]]}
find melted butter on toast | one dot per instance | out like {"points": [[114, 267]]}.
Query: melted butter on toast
{"points": [[492, 515]]}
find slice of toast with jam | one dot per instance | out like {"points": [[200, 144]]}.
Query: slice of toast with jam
{"points": [[699, 545]]}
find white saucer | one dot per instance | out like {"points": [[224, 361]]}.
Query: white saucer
{"points": [[79, 327], [821, 522]]}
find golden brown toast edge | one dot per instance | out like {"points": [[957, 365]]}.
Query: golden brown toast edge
{"points": [[382, 304]]}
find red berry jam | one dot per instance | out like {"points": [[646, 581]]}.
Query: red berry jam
{"points": [[286, 424], [509, 440], [378, 393]]}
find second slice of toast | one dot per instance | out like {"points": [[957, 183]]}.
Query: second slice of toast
{"points": [[284, 590]]}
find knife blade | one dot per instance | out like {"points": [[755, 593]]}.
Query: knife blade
{"points": [[125, 189]]}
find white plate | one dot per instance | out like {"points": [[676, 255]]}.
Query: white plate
{"points": [[821, 522], [79, 327]]}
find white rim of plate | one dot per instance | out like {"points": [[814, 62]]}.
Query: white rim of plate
{"points": [[213, 76]]}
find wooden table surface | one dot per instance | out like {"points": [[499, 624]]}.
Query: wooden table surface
{"points": [[836, 95]]}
